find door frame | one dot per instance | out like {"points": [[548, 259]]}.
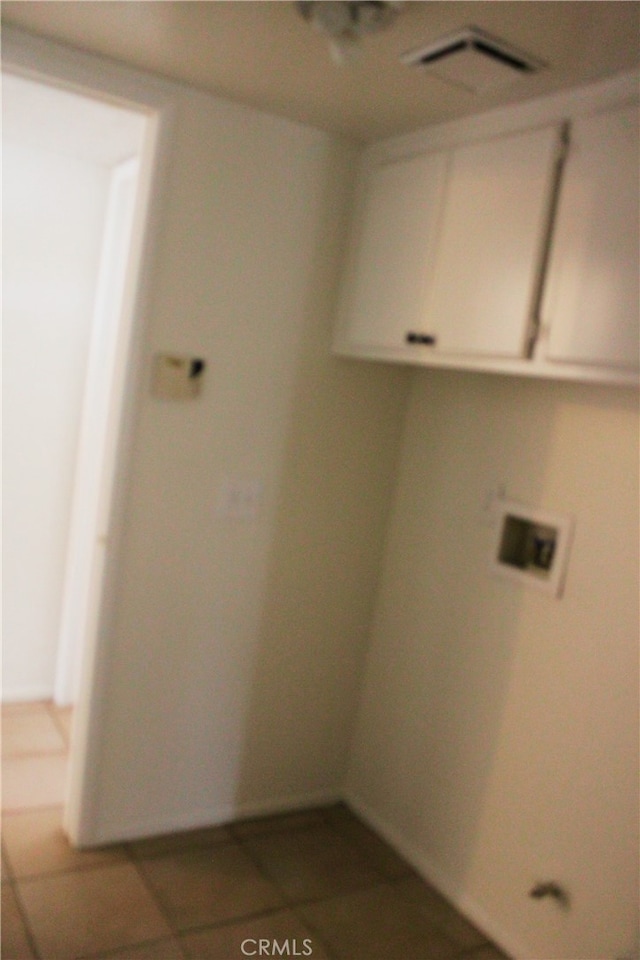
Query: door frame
{"points": [[95, 455], [55, 65]]}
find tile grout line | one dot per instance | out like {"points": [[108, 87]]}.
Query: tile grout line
{"points": [[65, 871], [31, 754], [384, 880], [287, 901], [7, 862], [53, 712], [234, 836], [241, 841], [24, 916], [395, 882], [235, 827], [294, 905], [438, 924], [164, 913], [38, 709], [231, 842], [13, 880], [297, 910], [325, 945], [172, 850], [104, 955], [17, 811], [231, 921]]}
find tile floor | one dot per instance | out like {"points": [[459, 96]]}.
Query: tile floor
{"points": [[317, 880]]}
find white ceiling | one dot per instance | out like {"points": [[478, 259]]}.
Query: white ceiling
{"points": [[265, 54]]}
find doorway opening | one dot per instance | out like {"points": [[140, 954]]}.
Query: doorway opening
{"points": [[76, 185]]}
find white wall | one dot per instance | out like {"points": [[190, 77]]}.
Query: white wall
{"points": [[234, 658], [52, 216], [497, 742]]}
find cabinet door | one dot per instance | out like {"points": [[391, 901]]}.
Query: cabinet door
{"points": [[490, 249], [591, 303], [394, 250]]}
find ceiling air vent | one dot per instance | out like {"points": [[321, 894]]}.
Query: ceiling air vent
{"points": [[473, 59]]}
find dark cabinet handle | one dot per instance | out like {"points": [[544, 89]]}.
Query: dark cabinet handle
{"points": [[426, 339]]}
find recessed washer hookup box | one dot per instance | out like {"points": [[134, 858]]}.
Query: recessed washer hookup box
{"points": [[531, 546]]}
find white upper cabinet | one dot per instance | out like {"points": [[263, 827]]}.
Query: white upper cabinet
{"points": [[591, 302], [507, 242], [395, 235], [491, 244], [448, 246]]}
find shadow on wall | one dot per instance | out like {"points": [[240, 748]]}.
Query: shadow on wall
{"points": [[345, 423]]}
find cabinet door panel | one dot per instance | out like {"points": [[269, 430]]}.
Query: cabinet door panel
{"points": [[491, 244], [394, 252], [591, 304]]}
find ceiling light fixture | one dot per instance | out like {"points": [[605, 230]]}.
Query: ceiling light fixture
{"points": [[346, 22]]}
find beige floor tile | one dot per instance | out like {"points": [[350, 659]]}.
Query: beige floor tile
{"points": [[313, 863], [29, 782], [487, 952], [297, 819], [28, 706], [377, 925], [175, 842], [90, 911], [374, 848], [199, 887], [437, 909], [30, 732], [15, 941], [155, 950], [35, 844], [63, 716], [225, 943]]}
